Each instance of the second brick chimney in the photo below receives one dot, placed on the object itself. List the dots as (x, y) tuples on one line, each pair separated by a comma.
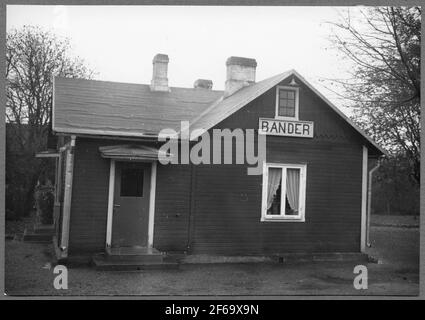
[(240, 73), (203, 83)]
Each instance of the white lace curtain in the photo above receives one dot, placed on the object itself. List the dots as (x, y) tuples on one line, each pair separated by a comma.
[(293, 188), (275, 176)]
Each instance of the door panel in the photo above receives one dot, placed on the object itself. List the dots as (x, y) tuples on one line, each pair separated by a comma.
[(131, 204)]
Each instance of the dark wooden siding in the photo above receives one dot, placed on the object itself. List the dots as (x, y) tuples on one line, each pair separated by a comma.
[(228, 201), (89, 204), (172, 208)]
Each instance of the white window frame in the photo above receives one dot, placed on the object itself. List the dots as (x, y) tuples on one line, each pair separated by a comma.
[(282, 217), (297, 91)]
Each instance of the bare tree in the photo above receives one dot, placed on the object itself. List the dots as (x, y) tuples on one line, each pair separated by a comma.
[(384, 85), (33, 57)]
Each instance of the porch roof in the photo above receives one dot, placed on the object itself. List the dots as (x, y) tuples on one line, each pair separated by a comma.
[(133, 152)]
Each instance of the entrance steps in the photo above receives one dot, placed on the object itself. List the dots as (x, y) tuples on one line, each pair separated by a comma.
[(133, 259)]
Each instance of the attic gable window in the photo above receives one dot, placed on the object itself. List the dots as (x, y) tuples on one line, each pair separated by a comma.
[(287, 102), (284, 192)]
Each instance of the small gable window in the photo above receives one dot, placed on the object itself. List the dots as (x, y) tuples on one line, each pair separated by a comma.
[(287, 102)]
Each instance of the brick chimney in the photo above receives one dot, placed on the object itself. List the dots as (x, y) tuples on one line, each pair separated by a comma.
[(203, 83), (240, 73), (159, 76)]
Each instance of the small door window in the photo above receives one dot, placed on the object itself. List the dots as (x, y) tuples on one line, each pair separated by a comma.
[(131, 182)]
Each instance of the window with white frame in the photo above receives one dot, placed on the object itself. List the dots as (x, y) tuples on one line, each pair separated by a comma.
[(283, 192), (286, 102)]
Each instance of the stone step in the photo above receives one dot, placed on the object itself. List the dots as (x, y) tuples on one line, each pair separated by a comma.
[(138, 254), (104, 263), (30, 236)]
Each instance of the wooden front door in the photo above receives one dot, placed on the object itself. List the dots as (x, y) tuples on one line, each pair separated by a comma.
[(130, 221)]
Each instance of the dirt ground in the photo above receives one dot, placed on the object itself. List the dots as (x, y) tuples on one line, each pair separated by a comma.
[(395, 221), (28, 272)]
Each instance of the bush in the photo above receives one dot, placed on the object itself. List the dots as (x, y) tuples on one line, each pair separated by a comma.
[(44, 198), (395, 191)]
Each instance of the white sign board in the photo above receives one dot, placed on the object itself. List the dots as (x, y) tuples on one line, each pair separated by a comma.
[(287, 128)]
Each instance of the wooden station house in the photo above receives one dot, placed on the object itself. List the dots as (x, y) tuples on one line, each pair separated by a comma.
[(116, 200)]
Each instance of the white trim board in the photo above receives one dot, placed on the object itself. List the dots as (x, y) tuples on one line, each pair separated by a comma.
[(152, 204), (67, 198), (61, 130)]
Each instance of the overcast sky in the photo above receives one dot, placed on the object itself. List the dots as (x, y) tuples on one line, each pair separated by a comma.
[(119, 42)]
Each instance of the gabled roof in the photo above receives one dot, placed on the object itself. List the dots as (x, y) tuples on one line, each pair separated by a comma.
[(123, 109), (223, 108), (133, 110)]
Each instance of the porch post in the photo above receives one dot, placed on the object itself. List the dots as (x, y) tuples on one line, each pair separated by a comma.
[(69, 172), (152, 204), (110, 203)]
